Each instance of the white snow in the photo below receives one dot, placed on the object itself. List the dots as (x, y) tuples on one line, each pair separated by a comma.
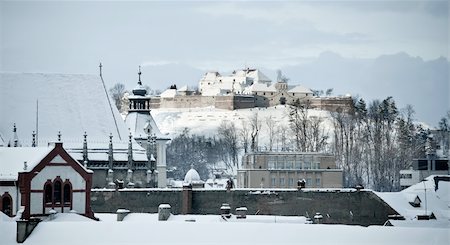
[(212, 229), (13, 158), (436, 202), (206, 120), (69, 103)]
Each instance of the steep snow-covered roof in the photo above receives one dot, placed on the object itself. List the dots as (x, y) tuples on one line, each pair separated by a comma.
[(169, 93), (138, 123), (300, 89), (259, 76), (12, 160), (437, 202), (70, 103), (185, 88), (260, 87)]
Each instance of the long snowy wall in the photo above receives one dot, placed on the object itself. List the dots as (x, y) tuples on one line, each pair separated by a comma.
[(344, 206)]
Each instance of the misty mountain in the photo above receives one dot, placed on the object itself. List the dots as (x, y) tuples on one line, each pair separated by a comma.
[(410, 80)]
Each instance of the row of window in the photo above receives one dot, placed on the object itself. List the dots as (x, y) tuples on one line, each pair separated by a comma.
[(290, 182), (293, 165), (57, 193), (405, 176)]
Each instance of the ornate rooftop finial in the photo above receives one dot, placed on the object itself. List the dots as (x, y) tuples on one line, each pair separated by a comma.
[(16, 138), (59, 136), (139, 73), (33, 143), (110, 152), (85, 149), (130, 152)]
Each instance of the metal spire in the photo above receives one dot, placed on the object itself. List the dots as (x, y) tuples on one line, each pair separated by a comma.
[(139, 73)]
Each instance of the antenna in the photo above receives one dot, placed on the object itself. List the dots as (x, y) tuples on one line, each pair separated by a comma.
[(37, 122), (100, 68)]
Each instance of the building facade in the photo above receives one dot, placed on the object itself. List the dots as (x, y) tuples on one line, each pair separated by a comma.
[(145, 132), (248, 88), (284, 169), (76, 109), (42, 180), (422, 168)]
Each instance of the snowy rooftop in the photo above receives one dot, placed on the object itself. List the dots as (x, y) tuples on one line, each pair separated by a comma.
[(300, 89), (138, 123), (212, 229), (70, 103), (169, 93), (436, 202), (12, 160)]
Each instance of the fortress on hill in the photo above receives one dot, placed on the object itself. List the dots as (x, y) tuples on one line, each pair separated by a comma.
[(247, 88)]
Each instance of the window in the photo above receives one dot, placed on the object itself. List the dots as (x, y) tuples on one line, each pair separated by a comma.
[(57, 192), (441, 164), (48, 193), (317, 182), (307, 164), (308, 182), (405, 176), (290, 162), (273, 182), (271, 162), (6, 202), (67, 193), (423, 165), (281, 182), (291, 182)]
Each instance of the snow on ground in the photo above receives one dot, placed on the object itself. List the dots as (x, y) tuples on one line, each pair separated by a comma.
[(206, 120), (437, 202), (210, 229)]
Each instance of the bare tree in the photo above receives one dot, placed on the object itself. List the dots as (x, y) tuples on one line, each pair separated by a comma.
[(255, 125), (244, 134), (299, 123), (270, 123), (117, 92), (228, 133)]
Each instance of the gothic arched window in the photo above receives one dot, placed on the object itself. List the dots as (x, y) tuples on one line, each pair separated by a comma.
[(6, 204), (67, 190), (57, 191), (48, 192)]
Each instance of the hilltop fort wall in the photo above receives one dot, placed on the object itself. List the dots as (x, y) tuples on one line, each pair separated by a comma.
[(235, 102)]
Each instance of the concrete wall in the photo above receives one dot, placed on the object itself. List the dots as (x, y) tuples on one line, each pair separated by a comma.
[(345, 206)]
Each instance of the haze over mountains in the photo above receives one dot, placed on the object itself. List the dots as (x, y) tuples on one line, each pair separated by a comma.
[(410, 80)]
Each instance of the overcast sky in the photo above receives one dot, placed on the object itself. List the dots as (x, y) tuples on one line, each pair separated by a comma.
[(73, 37)]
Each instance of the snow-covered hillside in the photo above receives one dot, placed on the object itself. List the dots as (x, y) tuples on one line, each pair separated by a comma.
[(205, 121)]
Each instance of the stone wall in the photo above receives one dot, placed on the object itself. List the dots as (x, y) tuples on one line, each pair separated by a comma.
[(249, 101), (346, 206)]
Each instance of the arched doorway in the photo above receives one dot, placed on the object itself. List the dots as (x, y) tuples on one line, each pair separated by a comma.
[(7, 204)]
